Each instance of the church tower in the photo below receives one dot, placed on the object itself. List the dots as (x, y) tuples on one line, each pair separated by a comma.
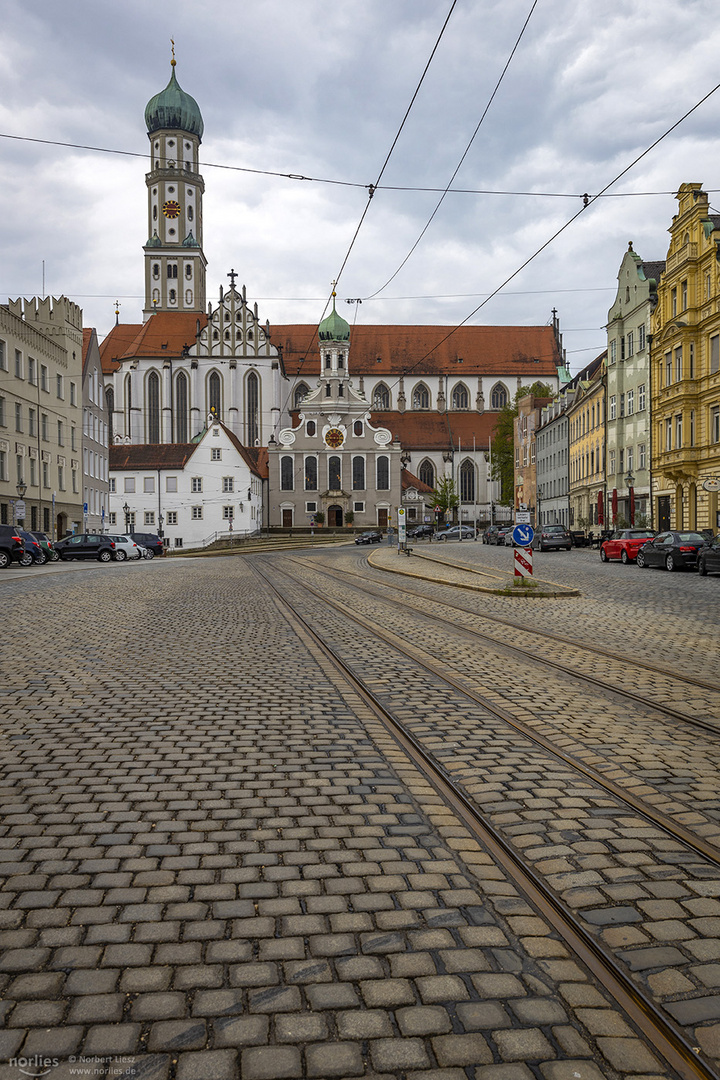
[(174, 260)]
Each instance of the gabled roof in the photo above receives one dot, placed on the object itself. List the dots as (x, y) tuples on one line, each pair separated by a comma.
[(653, 269), (89, 346), (438, 431), (164, 334), (408, 480), (250, 458), (151, 455), (528, 351)]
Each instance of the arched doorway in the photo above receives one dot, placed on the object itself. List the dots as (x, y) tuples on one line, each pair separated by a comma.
[(61, 525), (335, 517)]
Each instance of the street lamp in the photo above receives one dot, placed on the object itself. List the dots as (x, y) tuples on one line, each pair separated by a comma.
[(21, 489), (629, 484), (126, 511)]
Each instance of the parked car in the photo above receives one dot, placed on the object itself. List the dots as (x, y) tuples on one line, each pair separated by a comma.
[(369, 537), (152, 543), (12, 546), (87, 546), (673, 550), (552, 536), (625, 544), (490, 534), (46, 544), (420, 532), (709, 557), (126, 548), (500, 535), (32, 549), (453, 533)]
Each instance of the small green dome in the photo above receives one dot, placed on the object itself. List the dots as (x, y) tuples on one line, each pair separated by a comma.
[(154, 240), (190, 241), (173, 108), (334, 327)]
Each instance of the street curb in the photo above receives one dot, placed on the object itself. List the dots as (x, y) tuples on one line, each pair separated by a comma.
[(556, 591)]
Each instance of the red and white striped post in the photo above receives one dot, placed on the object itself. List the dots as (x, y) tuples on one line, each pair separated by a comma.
[(523, 562)]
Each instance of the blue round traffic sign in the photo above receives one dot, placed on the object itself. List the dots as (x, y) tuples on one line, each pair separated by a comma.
[(523, 535)]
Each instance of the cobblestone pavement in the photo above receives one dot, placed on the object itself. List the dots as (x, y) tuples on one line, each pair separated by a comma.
[(216, 864)]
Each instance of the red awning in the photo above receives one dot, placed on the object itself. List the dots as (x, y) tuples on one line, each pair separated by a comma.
[(614, 505), (601, 509)]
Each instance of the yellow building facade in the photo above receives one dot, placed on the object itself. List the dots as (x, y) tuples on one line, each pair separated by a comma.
[(685, 371)]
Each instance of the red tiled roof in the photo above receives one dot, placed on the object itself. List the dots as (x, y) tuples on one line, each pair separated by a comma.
[(248, 454), (528, 351), (151, 455), (409, 480), (164, 334), (438, 431)]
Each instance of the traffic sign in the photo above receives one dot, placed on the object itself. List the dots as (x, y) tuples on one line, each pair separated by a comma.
[(523, 535), (522, 517)]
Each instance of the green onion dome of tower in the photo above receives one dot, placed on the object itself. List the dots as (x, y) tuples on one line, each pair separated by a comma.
[(334, 327), (173, 108)]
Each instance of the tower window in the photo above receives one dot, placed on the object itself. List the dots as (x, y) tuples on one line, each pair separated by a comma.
[(173, 296), (154, 213), (172, 270), (156, 270), (188, 270), (190, 213)]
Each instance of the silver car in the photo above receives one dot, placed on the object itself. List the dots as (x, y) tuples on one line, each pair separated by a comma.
[(126, 548)]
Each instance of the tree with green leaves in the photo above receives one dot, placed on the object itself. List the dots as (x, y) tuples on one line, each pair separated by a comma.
[(503, 440), (445, 495)]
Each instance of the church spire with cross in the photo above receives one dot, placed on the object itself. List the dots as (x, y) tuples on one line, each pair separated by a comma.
[(175, 264)]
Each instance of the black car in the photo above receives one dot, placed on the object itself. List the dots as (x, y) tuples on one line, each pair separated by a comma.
[(552, 536), (709, 557), (420, 531), (369, 537), (86, 546), (673, 550), (152, 543), (12, 546), (34, 551), (498, 538), (490, 534)]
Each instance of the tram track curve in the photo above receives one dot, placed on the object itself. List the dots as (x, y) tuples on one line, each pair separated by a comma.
[(650, 1019)]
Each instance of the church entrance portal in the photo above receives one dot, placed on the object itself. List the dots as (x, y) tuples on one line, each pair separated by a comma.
[(382, 518), (335, 517), (287, 519)]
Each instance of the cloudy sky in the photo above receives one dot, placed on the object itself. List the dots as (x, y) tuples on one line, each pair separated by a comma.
[(319, 88)]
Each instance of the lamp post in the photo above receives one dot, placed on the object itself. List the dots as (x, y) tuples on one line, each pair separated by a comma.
[(629, 484), (21, 488), (126, 511)]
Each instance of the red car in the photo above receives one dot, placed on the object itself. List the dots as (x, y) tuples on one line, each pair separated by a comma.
[(624, 545)]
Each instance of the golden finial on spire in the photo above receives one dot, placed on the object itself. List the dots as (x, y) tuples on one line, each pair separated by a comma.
[(173, 61), (333, 283)]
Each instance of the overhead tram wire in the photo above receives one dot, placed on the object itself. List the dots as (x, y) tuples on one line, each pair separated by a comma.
[(465, 153), (562, 228), (372, 187)]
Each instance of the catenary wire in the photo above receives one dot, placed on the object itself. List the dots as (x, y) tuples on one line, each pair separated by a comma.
[(465, 153)]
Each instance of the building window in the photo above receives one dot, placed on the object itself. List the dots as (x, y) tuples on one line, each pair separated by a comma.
[(467, 482), (196, 483), (18, 417), (252, 409), (171, 483), (112, 518), (383, 473), (498, 397), (286, 473), (111, 485), (228, 513), (678, 364), (216, 454), (301, 392), (715, 423), (622, 404), (460, 397), (613, 406), (629, 456), (611, 462), (421, 397), (630, 402), (3, 356), (181, 407), (358, 474), (641, 337), (172, 271), (214, 395), (684, 295), (641, 397), (129, 485), (73, 394), (149, 517), (613, 351), (381, 397), (61, 477), (32, 371), (678, 431), (641, 455), (358, 427), (358, 507), (153, 405), (44, 384), (196, 513), (714, 354), (334, 473), (228, 484), (171, 517), (311, 473), (668, 369), (178, 542), (673, 303), (668, 434), (631, 344), (692, 427), (32, 423), (149, 485), (18, 364), (426, 473), (310, 507), (311, 428), (61, 433)]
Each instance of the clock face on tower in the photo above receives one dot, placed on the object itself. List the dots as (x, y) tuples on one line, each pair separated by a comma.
[(334, 438), (171, 209)]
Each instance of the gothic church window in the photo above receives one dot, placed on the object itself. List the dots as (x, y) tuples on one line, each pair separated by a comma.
[(214, 404), (467, 482), (383, 474), (334, 473), (301, 392), (381, 397), (498, 396), (421, 397), (311, 474), (426, 473), (153, 407), (358, 473), (460, 397), (286, 473), (181, 407), (252, 390), (110, 399)]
